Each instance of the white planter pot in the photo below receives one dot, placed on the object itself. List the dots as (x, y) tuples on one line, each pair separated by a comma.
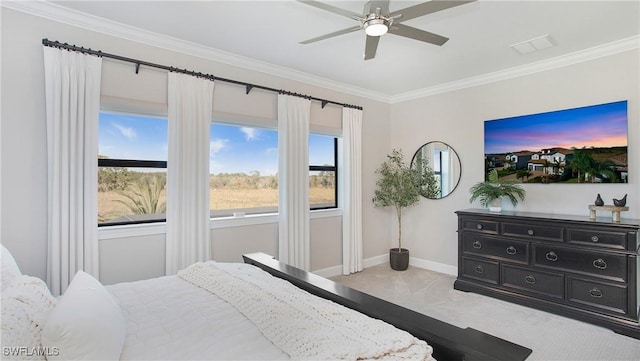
[(496, 205)]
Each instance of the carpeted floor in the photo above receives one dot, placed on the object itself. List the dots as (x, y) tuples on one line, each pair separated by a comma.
[(551, 337)]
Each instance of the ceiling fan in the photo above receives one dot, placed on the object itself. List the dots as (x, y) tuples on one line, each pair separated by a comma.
[(376, 21)]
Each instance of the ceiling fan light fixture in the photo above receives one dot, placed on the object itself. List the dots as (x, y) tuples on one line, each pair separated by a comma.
[(376, 26)]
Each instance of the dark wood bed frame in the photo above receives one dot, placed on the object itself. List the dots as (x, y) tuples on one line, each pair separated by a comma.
[(449, 342)]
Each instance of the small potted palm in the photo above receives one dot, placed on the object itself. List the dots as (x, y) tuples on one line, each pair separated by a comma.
[(491, 192), (398, 187)]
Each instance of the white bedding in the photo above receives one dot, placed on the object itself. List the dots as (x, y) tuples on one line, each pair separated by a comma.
[(304, 326), (170, 319)]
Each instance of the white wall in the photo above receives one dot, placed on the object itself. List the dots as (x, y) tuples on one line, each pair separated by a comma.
[(131, 258), (23, 154), (457, 118)]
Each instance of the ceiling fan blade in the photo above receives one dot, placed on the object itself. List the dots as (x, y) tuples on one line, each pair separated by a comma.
[(371, 47), (331, 35), (332, 9), (417, 34), (426, 8)]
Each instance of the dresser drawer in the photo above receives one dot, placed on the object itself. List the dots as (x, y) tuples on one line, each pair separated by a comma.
[(541, 283), (533, 231), (601, 296), (481, 270), (479, 225), (598, 238), (594, 263), (497, 248)]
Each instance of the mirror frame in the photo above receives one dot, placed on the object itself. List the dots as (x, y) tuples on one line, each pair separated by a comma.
[(457, 157)]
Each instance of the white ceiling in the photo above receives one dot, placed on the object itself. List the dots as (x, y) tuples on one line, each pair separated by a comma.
[(480, 34)]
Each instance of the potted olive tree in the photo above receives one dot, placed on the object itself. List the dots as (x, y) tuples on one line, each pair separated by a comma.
[(491, 192), (398, 187)]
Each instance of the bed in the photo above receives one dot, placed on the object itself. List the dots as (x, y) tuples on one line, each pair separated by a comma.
[(261, 309)]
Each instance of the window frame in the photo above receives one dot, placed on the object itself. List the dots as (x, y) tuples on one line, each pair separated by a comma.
[(333, 168), (230, 212), (132, 163)]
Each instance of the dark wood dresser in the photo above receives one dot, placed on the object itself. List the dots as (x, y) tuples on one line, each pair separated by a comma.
[(570, 265)]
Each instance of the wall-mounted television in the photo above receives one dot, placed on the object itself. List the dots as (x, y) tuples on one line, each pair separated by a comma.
[(578, 145)]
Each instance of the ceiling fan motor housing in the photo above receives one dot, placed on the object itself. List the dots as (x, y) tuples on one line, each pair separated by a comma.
[(376, 25)]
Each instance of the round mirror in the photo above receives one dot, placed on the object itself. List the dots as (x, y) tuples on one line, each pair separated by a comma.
[(439, 167)]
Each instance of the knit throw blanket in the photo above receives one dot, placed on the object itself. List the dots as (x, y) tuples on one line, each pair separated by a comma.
[(300, 324)]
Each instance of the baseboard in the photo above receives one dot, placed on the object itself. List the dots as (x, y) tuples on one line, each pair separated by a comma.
[(433, 266), (337, 270), (374, 261), (384, 258), (328, 272)]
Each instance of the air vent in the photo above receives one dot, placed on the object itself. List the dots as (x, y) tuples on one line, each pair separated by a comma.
[(531, 45)]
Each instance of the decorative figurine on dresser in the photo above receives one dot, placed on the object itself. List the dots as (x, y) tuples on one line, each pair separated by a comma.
[(574, 266), (619, 205)]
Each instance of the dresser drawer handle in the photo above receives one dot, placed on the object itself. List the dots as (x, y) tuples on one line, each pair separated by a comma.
[(551, 256), (479, 269), (511, 250), (600, 264), (477, 245), (530, 232), (594, 239), (595, 292), (479, 226), (530, 280)]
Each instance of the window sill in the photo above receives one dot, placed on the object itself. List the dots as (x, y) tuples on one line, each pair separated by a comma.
[(248, 220), (131, 230), (254, 219), (325, 213), (146, 229)]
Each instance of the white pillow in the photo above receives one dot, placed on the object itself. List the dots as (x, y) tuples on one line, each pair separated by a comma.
[(86, 323), (26, 304), (10, 270)]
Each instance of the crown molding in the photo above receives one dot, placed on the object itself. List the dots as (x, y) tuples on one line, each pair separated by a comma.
[(61, 14), (75, 18), (596, 52)]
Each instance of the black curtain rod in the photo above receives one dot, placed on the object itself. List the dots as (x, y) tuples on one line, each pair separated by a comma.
[(138, 63)]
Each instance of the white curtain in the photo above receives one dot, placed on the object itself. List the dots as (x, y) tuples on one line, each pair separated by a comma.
[(72, 90), (190, 102), (351, 191), (293, 180)]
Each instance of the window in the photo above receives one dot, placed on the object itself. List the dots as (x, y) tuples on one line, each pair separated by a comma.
[(442, 171), (244, 170), (437, 168), (243, 163), (323, 171), (132, 168)]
